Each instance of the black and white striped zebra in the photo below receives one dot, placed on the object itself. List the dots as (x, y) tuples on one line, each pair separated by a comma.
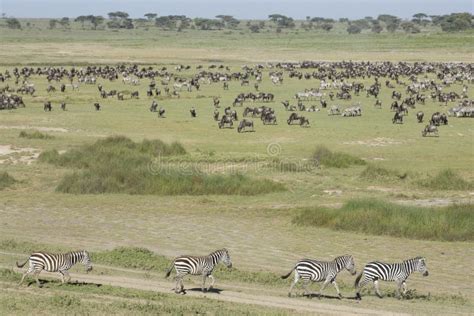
[(398, 272), (318, 271), (198, 266), (55, 263)]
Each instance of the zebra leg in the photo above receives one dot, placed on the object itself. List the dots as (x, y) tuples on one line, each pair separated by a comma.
[(337, 288), (212, 282), (204, 277), (297, 277), (305, 287), (399, 286), (377, 290), (67, 276), (37, 280), (29, 271), (62, 276), (176, 287), (323, 287), (404, 284)]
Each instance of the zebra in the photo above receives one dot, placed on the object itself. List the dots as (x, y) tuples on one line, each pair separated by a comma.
[(318, 271), (198, 266), (398, 272), (55, 263)]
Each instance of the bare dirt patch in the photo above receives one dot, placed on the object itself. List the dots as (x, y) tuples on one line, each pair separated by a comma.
[(13, 155), (38, 128), (375, 142)]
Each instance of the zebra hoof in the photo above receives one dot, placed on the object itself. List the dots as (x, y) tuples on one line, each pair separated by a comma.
[(358, 297)]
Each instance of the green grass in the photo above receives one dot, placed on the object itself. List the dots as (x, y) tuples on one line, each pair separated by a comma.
[(373, 172), (119, 165), (35, 135), (323, 156), (447, 179), (89, 298), (375, 217), (6, 180)]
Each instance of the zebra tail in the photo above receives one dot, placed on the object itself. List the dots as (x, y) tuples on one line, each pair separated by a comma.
[(21, 265), (356, 283), (287, 275), (168, 272)]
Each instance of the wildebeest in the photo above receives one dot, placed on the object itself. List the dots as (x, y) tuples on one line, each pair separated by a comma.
[(244, 124), (161, 112), (216, 115), (269, 118), (153, 106), (226, 120), (63, 106), (47, 106), (97, 106), (193, 112), (419, 116), (439, 118), (397, 118), (293, 118), (430, 129)]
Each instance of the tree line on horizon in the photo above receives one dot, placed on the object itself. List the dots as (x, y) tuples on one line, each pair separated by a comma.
[(453, 22)]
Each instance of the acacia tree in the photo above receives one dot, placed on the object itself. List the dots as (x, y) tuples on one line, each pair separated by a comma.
[(52, 23), (150, 16), (282, 21), (13, 23)]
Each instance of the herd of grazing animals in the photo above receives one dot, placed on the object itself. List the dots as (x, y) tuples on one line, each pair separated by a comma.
[(410, 85), (307, 270)]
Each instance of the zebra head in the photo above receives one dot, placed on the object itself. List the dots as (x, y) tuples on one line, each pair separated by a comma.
[(421, 266), (346, 262), (225, 258), (350, 264), (86, 260)]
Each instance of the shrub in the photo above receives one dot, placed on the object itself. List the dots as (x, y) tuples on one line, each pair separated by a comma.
[(323, 156), (447, 179), (376, 217), (119, 165), (6, 180), (35, 135)]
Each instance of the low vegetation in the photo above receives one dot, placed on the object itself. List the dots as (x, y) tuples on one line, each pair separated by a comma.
[(119, 165), (83, 298), (323, 156), (6, 180), (451, 223), (447, 179), (35, 135), (373, 172)]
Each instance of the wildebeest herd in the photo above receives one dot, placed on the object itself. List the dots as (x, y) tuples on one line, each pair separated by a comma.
[(409, 85)]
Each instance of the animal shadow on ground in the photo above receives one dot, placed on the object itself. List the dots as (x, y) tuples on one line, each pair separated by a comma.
[(75, 283), (213, 290), (331, 297)]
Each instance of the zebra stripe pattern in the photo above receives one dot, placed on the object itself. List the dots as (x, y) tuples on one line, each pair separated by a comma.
[(318, 271), (204, 266), (398, 272), (61, 263)]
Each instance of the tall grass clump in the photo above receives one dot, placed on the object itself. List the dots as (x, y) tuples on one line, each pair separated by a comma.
[(447, 179), (35, 135), (323, 156), (372, 172), (6, 180), (375, 217), (119, 165)]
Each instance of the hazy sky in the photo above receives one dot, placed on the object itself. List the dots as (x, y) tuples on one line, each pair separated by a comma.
[(239, 8)]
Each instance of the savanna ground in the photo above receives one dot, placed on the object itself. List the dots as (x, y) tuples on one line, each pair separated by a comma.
[(261, 231)]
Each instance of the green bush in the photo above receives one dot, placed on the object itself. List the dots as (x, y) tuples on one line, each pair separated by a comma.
[(451, 223), (372, 172), (447, 179), (6, 180), (323, 156), (35, 135), (119, 165)]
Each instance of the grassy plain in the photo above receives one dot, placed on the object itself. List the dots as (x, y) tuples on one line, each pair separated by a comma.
[(258, 230)]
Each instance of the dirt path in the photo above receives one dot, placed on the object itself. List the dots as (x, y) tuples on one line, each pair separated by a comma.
[(305, 306)]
